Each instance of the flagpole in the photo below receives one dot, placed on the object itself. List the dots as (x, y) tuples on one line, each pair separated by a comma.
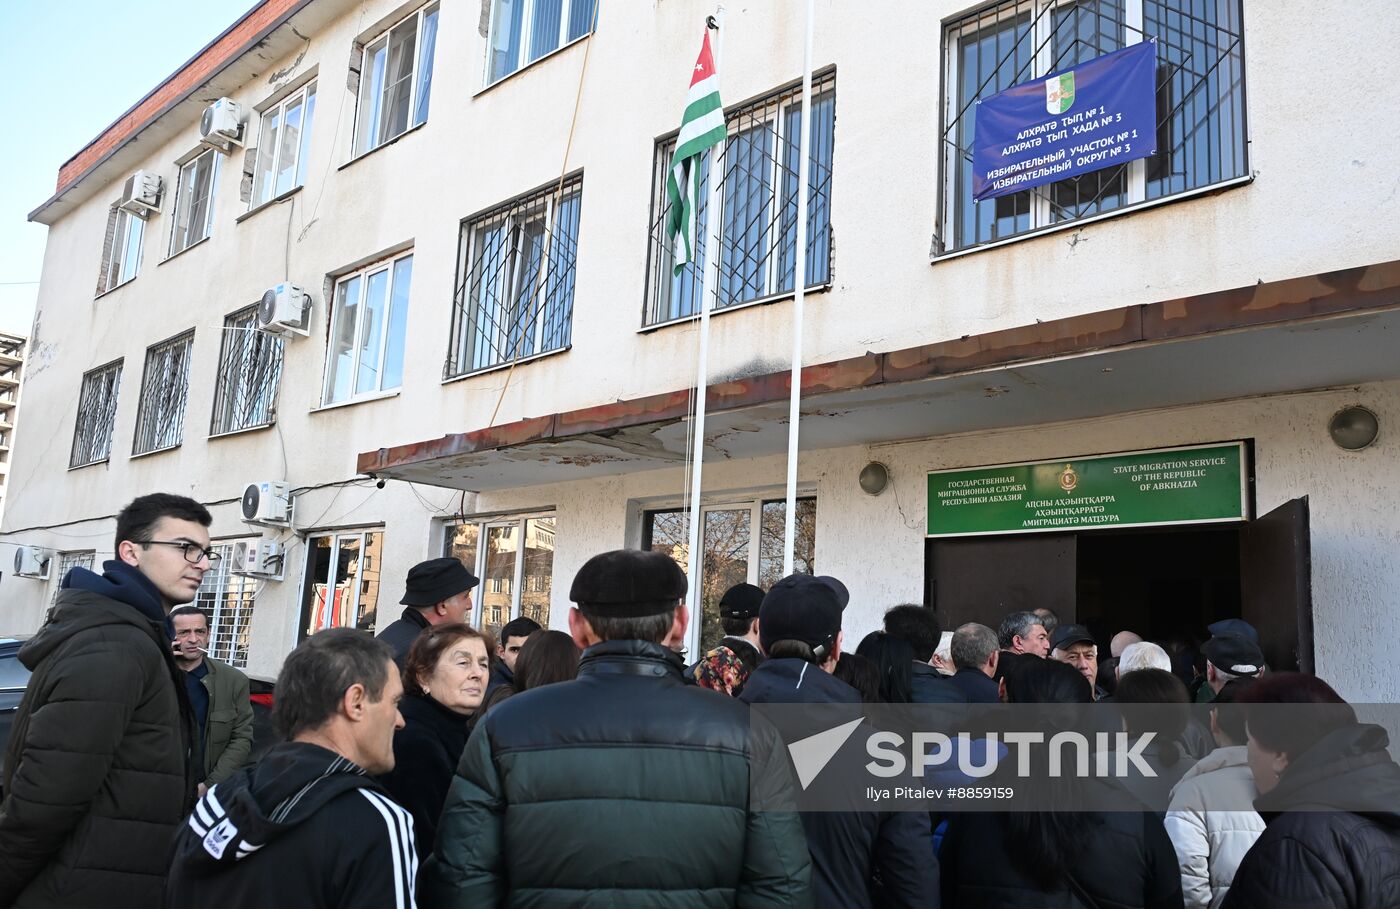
[(709, 284), (799, 287)]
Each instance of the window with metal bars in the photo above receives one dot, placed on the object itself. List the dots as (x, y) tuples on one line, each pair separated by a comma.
[(227, 600), (758, 215), (250, 370), (67, 561), (1201, 127), (97, 414), (160, 417), (515, 284)]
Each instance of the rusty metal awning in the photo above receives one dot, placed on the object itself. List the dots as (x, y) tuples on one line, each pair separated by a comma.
[(1334, 329)]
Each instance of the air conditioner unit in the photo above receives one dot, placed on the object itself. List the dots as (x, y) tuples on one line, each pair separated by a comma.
[(141, 194), (32, 562), (268, 502), (285, 310), (259, 558), (221, 125)]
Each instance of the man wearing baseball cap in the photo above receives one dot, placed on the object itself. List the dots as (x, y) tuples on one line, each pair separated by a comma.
[(1073, 644), (437, 592), (799, 625), (1230, 656), (625, 785)]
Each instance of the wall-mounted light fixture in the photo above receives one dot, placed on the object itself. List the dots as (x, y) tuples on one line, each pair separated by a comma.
[(1352, 428), (874, 477)]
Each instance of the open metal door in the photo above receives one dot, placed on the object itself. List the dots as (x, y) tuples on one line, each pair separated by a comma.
[(1276, 584), (981, 579)]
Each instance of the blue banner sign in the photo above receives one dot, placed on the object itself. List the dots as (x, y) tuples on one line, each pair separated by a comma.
[(1100, 114)]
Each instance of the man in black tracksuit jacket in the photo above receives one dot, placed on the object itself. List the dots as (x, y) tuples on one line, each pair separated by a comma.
[(307, 827)]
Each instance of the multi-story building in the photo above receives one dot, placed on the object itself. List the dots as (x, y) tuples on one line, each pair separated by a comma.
[(11, 375), (473, 198)]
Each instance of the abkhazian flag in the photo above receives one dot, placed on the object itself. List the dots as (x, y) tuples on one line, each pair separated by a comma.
[(701, 128)]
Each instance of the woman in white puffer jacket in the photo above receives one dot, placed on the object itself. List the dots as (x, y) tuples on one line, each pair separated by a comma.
[(1210, 819)]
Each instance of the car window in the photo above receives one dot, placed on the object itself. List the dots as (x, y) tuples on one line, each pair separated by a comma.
[(12, 672)]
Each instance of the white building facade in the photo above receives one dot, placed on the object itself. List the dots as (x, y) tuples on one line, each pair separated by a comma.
[(470, 193)]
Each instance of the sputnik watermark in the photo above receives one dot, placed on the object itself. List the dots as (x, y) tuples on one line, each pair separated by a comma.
[(1113, 754)]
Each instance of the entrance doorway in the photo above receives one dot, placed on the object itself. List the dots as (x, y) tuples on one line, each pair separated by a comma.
[(1161, 582)]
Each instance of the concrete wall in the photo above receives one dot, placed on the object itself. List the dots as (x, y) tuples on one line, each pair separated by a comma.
[(482, 147), (876, 544)]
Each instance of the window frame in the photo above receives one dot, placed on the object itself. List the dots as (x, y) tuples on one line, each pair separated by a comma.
[(184, 203), (227, 393), (520, 522), (773, 107), (119, 227), (108, 411), (1042, 221), (153, 393), (512, 216), (363, 534), (78, 558), (306, 94), (527, 21), (389, 264), (363, 50), (230, 593)]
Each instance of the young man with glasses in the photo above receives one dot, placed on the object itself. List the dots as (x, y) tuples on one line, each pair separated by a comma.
[(101, 768)]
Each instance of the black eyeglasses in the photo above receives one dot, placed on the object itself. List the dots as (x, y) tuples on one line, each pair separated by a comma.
[(192, 552)]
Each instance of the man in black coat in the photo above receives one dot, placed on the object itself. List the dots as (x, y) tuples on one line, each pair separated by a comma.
[(100, 768), (437, 592), (859, 858), (975, 653), (919, 626), (513, 635)]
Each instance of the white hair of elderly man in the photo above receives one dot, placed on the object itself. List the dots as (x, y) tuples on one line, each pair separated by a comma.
[(1143, 655)]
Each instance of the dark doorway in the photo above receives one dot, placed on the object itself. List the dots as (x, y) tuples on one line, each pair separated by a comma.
[(1159, 583)]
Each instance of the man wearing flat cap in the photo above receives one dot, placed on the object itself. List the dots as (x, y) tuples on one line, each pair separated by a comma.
[(624, 786), (437, 592)]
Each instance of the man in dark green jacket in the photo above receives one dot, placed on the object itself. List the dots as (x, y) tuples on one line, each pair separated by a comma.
[(219, 696), (623, 788), (100, 768)]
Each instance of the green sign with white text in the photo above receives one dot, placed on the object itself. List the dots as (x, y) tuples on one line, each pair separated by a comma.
[(1138, 489)]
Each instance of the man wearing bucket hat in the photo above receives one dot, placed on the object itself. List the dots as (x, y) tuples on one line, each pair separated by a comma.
[(437, 592), (625, 785)]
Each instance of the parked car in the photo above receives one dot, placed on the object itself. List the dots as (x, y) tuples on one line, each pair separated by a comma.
[(264, 736), (13, 680)]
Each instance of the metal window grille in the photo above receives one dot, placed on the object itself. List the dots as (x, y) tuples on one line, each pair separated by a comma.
[(515, 287), (1201, 128), (228, 599), (67, 561), (250, 371), (160, 418), (758, 227), (97, 414)]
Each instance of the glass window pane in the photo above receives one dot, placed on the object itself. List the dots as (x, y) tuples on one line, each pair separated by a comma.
[(398, 323), (748, 196), (497, 585), (342, 353), (818, 192), (317, 585), (371, 95), (485, 338), (581, 14), (367, 379), (345, 591), (288, 146), (302, 153), (426, 51), (505, 42), (669, 532), (268, 143), (398, 82), (538, 578), (201, 201), (726, 563), (770, 547), (544, 27), (462, 544), (367, 571)]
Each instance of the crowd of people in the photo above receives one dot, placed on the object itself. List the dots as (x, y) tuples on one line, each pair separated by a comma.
[(437, 766)]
